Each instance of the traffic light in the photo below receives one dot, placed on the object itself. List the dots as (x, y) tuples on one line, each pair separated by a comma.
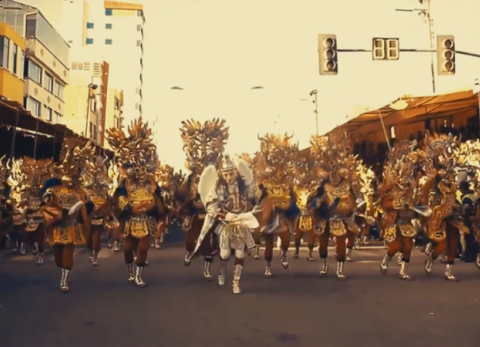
[(327, 54), (385, 48), (446, 55)]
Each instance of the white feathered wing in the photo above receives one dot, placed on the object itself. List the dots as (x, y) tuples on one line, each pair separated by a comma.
[(208, 178), (244, 170)]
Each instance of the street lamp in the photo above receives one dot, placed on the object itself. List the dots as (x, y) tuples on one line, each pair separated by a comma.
[(91, 95)]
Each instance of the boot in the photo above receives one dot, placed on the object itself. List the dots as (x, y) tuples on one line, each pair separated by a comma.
[(109, 243), (40, 259), (348, 255), (256, 255), (429, 265), (340, 274), (116, 246), (94, 258), (131, 273), (221, 272), (23, 248), (157, 244), (399, 259), (187, 261), (138, 277), (365, 240), (297, 252), (403, 271), (284, 259), (477, 262), (428, 249), (206, 270), (35, 249), (64, 285), (384, 264), (268, 269), (162, 238), (237, 274), (310, 254), (449, 273), (323, 267)]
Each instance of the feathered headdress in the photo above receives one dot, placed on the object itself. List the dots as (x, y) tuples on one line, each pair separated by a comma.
[(72, 159), (203, 144), (135, 149)]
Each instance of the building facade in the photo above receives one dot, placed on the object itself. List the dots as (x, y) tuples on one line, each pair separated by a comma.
[(114, 110), (46, 69), (12, 60), (86, 99), (111, 31)]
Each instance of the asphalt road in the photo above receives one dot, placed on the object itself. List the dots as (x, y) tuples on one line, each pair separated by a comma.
[(179, 308)]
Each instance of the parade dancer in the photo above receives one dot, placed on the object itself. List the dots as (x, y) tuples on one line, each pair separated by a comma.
[(65, 208), (94, 181), (203, 146), (444, 226), (25, 180), (137, 200), (112, 225), (399, 196), (228, 196)]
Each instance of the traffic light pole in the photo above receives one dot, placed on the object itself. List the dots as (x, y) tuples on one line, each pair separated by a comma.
[(430, 32)]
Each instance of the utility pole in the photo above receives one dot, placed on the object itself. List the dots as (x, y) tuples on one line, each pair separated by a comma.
[(425, 14)]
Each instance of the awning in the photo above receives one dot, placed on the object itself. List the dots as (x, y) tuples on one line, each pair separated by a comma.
[(418, 108)]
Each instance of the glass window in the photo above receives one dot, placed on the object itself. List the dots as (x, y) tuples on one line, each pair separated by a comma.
[(34, 106), (90, 25), (108, 12), (48, 82), (21, 69), (58, 117), (139, 27), (139, 42), (48, 113), (89, 41), (4, 51), (139, 13), (108, 41), (15, 59), (34, 72), (58, 90), (108, 26)]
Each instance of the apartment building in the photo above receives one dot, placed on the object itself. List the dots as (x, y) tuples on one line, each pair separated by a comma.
[(12, 57), (86, 99), (46, 71), (114, 110), (112, 31)]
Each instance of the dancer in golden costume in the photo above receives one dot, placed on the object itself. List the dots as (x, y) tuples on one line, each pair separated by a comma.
[(138, 199), (65, 209), (26, 178)]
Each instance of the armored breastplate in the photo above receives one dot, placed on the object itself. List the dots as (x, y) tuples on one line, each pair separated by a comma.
[(67, 197), (401, 198), (340, 191), (235, 203), (98, 198), (139, 194)]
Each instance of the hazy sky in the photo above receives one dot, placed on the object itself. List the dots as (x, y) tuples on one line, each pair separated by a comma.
[(218, 49)]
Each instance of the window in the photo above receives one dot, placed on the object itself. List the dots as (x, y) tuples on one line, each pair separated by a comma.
[(48, 113), (139, 42), (90, 25), (108, 12), (34, 72), (115, 122), (139, 27), (108, 41), (116, 103), (137, 105), (139, 13), (4, 51), (22, 64), (34, 106), (15, 59), (108, 26), (89, 41), (58, 90), (48, 82), (58, 117)]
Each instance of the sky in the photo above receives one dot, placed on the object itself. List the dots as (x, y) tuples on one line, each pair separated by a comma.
[(217, 50)]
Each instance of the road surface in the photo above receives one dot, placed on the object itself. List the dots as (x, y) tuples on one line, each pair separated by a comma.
[(179, 308)]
